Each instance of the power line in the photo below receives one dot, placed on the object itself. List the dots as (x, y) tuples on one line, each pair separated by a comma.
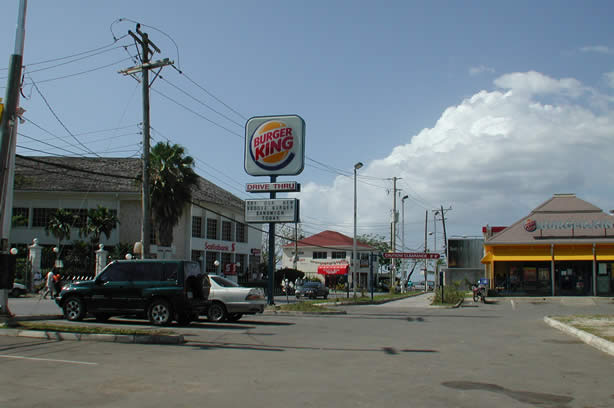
[(58, 118)]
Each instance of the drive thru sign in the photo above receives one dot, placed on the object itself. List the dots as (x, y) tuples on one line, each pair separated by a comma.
[(412, 255)]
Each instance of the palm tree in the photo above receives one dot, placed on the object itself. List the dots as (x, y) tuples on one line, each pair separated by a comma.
[(99, 221), (60, 224), (172, 178)]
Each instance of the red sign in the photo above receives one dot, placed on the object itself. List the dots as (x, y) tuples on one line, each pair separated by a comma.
[(411, 255)]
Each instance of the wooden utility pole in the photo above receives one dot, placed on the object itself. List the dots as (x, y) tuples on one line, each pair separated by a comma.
[(144, 68)]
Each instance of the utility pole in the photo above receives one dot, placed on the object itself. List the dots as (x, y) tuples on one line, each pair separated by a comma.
[(426, 271), (8, 134), (393, 234), (445, 238), (144, 68)]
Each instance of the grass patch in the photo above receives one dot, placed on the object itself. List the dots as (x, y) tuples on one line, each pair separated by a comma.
[(86, 329), (319, 305), (306, 306)]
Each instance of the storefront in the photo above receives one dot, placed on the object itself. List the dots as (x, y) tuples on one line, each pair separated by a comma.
[(565, 247), (334, 275)]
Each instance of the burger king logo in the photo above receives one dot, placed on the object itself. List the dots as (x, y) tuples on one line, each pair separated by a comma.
[(271, 145), (530, 225)]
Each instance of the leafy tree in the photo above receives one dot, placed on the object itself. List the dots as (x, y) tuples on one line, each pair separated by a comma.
[(172, 179), (378, 242), (99, 221), (60, 224)]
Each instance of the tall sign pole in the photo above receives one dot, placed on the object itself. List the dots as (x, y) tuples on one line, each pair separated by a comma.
[(8, 133), (274, 146)]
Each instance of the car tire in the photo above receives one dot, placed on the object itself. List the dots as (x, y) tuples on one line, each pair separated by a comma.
[(102, 317), (74, 309), (160, 312), (216, 312), (234, 317)]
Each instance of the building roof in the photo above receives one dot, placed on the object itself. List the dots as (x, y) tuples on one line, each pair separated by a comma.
[(101, 174), (330, 239), (564, 218)]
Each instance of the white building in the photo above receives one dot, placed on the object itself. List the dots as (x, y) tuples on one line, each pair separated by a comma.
[(211, 229), (329, 253)]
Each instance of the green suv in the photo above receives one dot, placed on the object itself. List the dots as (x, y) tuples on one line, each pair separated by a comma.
[(161, 290)]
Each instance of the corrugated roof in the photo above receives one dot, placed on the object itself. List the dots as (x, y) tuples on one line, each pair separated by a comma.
[(96, 174), (330, 239), (564, 218)]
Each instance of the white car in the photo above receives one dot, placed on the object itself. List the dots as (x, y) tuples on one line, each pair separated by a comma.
[(231, 301), (18, 290)]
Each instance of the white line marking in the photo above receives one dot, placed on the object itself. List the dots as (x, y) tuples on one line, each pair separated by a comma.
[(513, 304), (47, 359)]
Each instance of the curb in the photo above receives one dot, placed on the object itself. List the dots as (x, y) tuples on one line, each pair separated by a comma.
[(110, 338), (298, 313), (588, 338)]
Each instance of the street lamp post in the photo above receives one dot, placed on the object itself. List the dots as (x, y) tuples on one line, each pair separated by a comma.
[(356, 167), (403, 284)]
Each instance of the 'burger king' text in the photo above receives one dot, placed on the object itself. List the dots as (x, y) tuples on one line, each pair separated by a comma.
[(278, 140)]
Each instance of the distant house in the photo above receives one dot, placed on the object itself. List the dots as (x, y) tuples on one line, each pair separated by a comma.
[(211, 229), (328, 254)]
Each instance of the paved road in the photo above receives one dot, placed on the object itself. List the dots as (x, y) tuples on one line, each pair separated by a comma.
[(393, 355)]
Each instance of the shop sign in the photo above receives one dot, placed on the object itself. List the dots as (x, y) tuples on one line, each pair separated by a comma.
[(532, 225), (285, 187), (274, 145), (255, 251), (411, 255), (218, 247), (271, 210)]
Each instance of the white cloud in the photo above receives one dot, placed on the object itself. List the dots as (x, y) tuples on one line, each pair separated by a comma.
[(493, 157), (600, 49), (473, 71), (536, 83), (609, 77)]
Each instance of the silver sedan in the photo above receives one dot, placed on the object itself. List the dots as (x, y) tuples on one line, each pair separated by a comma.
[(231, 301)]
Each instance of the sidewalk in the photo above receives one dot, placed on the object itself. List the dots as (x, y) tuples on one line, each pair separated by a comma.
[(596, 331)]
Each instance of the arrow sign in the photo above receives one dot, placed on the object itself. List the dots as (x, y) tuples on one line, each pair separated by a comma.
[(411, 255)]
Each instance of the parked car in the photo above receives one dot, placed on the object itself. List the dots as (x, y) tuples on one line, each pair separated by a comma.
[(18, 290), (311, 290), (230, 301), (161, 290), (420, 285)]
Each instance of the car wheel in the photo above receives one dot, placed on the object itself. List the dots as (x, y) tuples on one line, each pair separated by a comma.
[(160, 312), (102, 317), (234, 317), (74, 309), (216, 313)]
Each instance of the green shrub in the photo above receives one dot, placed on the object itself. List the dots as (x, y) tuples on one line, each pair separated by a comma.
[(452, 294)]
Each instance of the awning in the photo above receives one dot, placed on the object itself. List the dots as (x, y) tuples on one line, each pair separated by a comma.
[(605, 253), (488, 258), (337, 269)]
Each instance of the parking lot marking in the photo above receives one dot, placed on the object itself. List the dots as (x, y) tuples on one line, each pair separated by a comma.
[(47, 359)]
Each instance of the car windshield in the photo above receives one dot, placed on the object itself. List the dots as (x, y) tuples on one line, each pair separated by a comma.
[(224, 282), (312, 284)]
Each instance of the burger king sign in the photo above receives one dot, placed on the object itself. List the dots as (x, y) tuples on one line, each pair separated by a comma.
[(275, 145)]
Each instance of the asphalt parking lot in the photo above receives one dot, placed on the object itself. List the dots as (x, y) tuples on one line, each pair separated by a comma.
[(499, 354)]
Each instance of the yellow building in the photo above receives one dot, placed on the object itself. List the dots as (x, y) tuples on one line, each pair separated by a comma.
[(565, 247)]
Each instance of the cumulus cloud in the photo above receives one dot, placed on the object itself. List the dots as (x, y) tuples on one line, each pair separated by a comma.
[(473, 71), (493, 157), (609, 77)]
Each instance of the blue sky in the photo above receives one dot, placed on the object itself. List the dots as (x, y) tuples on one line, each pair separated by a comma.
[(485, 107)]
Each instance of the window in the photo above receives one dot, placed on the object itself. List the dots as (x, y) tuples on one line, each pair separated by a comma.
[(319, 255), (337, 255), (241, 236), (119, 272), (211, 257), (80, 217), (226, 231), (197, 227), (240, 259), (41, 216), (197, 256), (211, 228), (223, 282), (21, 217), (225, 260)]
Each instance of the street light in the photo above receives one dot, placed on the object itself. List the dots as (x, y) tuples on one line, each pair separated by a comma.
[(356, 167), (405, 197)]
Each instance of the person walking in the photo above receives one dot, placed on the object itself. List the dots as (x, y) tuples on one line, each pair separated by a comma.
[(49, 285)]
